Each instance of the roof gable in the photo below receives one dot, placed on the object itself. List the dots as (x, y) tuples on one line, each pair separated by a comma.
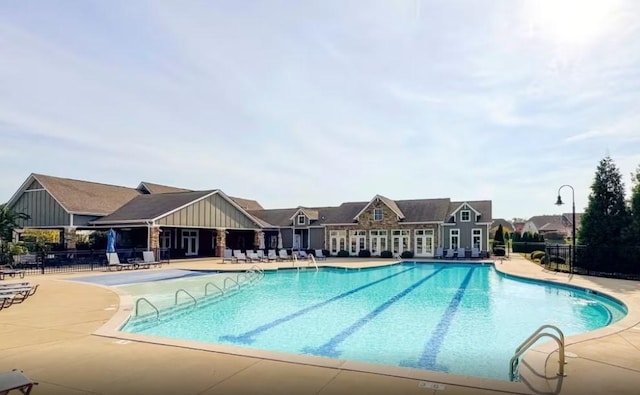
[(78, 196), (247, 204), (393, 206), (310, 213), (150, 188)]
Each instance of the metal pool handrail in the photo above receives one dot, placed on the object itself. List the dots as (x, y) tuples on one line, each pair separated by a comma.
[(535, 336), (150, 304), (195, 302), (206, 287)]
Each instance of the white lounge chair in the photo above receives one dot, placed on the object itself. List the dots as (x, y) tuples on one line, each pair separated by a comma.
[(475, 252), (149, 259), (462, 253), (320, 255), (272, 256), (239, 255), (439, 253), (284, 256), (450, 253), (11, 272), (113, 261), (302, 254), (228, 256), (262, 257), (252, 256), (16, 380)]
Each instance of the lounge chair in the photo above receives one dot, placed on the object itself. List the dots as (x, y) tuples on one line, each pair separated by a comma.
[(261, 256), (114, 262), (439, 253), (22, 290), (272, 256), (228, 256), (240, 256), (149, 259), (462, 253), (7, 299), (450, 253), (320, 255), (284, 256), (303, 254), (16, 380), (252, 256), (11, 272), (475, 252)]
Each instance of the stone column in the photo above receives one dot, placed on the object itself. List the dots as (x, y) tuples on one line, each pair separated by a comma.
[(70, 238), (221, 242), (154, 238)]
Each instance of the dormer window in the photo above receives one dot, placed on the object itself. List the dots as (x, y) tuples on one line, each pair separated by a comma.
[(465, 215), (377, 214), (301, 219)]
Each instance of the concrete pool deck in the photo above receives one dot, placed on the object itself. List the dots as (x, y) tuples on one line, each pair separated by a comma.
[(51, 337)]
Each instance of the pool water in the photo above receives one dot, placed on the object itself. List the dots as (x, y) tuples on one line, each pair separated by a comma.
[(464, 319)]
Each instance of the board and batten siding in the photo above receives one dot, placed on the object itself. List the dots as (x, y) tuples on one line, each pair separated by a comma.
[(316, 238), (43, 209), (211, 212)]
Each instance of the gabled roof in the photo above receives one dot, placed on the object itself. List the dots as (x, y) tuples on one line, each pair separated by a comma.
[(310, 213), (388, 202), (276, 217), (148, 187), (505, 224), (247, 204), (151, 206), (480, 207), (424, 210), (81, 197), (548, 223)]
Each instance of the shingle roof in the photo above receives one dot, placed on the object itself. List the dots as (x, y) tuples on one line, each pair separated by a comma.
[(481, 206), (549, 223), (86, 197), (247, 204), (505, 224), (159, 188), (275, 217), (424, 210), (148, 207)]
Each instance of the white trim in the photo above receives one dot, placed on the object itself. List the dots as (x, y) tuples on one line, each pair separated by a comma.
[(23, 188), (465, 211), (304, 212), (451, 236), (472, 235), (304, 219), (400, 216), (349, 224), (196, 237), (484, 223), (462, 205), (71, 220), (423, 223), (34, 190), (378, 210)]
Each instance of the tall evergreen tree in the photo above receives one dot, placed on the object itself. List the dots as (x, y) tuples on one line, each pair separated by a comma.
[(633, 232), (498, 239), (606, 217)]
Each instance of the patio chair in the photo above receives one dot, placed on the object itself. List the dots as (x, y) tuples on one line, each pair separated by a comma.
[(16, 380), (320, 255), (6, 299), (228, 256), (439, 253), (462, 253), (252, 256), (261, 256), (284, 256), (303, 254), (11, 272), (239, 256), (149, 259), (114, 262), (21, 292), (450, 253), (475, 252), (272, 256)]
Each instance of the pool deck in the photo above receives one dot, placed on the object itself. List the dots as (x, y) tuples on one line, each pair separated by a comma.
[(61, 337)]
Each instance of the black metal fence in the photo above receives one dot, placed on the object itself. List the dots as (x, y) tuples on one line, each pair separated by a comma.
[(605, 261), (79, 260)]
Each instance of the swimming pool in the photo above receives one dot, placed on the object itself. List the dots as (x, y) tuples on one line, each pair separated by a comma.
[(464, 319)]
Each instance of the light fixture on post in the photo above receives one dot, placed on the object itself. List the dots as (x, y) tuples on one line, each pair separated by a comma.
[(573, 222)]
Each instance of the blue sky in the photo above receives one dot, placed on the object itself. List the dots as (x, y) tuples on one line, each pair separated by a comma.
[(317, 103)]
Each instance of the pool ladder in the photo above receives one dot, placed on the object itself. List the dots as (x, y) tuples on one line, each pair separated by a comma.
[(312, 259), (535, 336)]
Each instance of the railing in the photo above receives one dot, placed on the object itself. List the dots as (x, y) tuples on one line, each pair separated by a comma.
[(150, 304), (206, 287), (313, 260), (224, 284), (535, 336), (195, 302)]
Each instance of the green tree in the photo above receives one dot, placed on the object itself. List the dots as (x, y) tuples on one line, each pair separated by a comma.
[(9, 221), (633, 231), (606, 217), (498, 239)]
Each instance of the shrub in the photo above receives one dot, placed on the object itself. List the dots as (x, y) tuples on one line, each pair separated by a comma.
[(406, 254), (343, 253), (326, 252), (364, 254), (536, 255), (386, 254), (556, 259)]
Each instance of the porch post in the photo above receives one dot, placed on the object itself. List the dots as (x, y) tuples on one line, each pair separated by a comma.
[(153, 242), (256, 239), (70, 237), (221, 241)]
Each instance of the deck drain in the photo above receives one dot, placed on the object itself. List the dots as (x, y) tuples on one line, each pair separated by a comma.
[(122, 342), (570, 355), (430, 385)]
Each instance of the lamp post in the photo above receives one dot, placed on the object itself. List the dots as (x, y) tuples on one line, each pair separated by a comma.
[(573, 222)]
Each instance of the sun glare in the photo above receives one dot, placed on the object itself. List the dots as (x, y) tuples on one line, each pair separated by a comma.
[(570, 21)]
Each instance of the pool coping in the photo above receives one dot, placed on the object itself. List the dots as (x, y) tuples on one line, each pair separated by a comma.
[(534, 362)]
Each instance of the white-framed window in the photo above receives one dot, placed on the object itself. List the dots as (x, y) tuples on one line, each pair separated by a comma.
[(377, 214), (476, 238), (165, 238), (465, 215), (301, 219), (454, 238)]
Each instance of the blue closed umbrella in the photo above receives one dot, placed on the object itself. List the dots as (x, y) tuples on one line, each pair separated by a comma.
[(111, 240)]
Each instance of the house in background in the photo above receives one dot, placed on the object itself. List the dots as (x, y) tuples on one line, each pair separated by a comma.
[(204, 223), (552, 225), (507, 226)]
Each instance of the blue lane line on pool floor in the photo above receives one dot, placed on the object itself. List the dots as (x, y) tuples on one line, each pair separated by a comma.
[(329, 348), (247, 337), (428, 358)]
